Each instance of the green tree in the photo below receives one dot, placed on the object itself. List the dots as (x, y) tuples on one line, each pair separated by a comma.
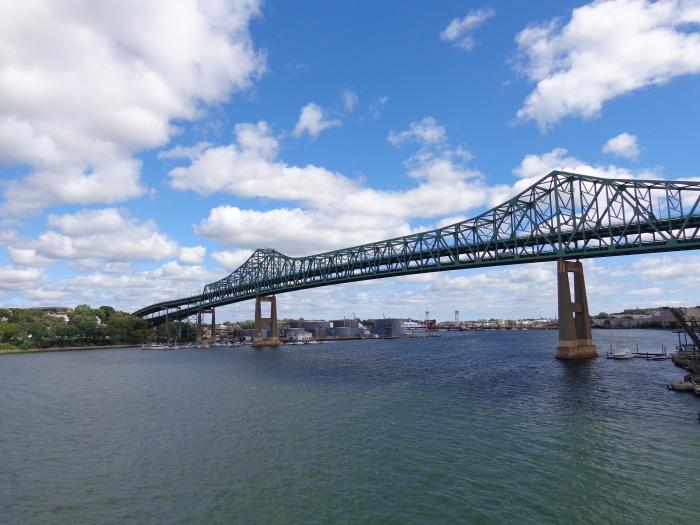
[(9, 331), (105, 312), (84, 319)]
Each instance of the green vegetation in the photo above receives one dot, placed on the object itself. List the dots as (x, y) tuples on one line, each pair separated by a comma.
[(85, 326)]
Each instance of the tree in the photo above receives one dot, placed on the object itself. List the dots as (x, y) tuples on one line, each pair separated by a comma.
[(9, 331), (84, 319), (105, 312), (124, 328)]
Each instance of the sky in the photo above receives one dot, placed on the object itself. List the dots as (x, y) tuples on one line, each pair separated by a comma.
[(148, 147)]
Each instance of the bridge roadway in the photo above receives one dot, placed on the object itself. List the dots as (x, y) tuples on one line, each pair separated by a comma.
[(562, 216)]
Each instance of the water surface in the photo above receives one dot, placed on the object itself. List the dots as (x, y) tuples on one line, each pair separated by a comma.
[(467, 428)]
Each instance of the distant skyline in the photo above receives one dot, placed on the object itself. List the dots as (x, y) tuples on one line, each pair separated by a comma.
[(147, 148)]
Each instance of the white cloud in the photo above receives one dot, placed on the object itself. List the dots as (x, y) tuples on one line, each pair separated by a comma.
[(7, 235), (192, 255), (28, 257), (312, 121), (534, 167), (230, 260), (184, 152), (87, 222), (425, 131), (607, 48), (325, 202), (459, 30), (13, 278), (95, 235), (293, 231), (645, 292), (350, 99), (86, 85), (668, 270), (127, 291), (623, 145)]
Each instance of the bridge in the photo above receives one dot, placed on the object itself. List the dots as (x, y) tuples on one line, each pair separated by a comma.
[(563, 217)]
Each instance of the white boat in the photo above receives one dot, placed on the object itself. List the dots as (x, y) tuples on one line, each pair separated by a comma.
[(413, 326), (623, 353)]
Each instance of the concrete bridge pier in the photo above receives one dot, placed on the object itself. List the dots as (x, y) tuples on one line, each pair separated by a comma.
[(200, 325), (575, 336), (265, 322)]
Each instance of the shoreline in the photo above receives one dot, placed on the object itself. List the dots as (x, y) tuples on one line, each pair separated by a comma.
[(10, 351)]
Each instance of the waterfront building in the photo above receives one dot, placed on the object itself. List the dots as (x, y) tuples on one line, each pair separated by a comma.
[(297, 335)]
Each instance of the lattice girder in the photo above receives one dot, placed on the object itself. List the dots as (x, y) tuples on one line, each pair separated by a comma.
[(563, 215)]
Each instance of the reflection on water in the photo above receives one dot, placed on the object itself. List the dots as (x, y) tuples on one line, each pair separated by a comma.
[(472, 427)]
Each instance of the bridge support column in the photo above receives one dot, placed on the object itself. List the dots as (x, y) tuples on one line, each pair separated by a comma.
[(265, 322), (575, 336), (200, 326)]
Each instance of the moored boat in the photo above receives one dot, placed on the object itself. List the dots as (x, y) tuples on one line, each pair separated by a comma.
[(622, 353)]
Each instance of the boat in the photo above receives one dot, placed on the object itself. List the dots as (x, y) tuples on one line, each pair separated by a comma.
[(623, 353), (413, 326)]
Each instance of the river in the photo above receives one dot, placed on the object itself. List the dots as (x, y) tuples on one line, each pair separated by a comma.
[(474, 427)]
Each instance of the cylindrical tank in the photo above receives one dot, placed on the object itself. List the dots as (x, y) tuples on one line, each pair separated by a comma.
[(342, 331)]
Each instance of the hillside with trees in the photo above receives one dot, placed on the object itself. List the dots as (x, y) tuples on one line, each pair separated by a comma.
[(84, 326)]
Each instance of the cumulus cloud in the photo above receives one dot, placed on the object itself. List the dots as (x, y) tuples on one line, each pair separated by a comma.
[(192, 255), (230, 260), (293, 231), (107, 235), (460, 30), (607, 48), (28, 257), (425, 131), (128, 291), (184, 152), (623, 145), (533, 167), (14, 278), (312, 121), (330, 210), (86, 85)]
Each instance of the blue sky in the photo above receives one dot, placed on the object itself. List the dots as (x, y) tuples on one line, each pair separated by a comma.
[(147, 148)]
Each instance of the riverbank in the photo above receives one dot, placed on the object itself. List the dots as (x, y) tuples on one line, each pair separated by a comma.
[(60, 349)]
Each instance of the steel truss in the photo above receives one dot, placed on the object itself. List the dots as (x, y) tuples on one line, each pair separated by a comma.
[(563, 215)]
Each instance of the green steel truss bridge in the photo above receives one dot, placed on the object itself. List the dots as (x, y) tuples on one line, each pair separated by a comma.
[(562, 216)]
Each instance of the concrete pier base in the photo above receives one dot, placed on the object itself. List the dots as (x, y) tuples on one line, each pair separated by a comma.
[(576, 352), (200, 326), (575, 335), (262, 323)]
